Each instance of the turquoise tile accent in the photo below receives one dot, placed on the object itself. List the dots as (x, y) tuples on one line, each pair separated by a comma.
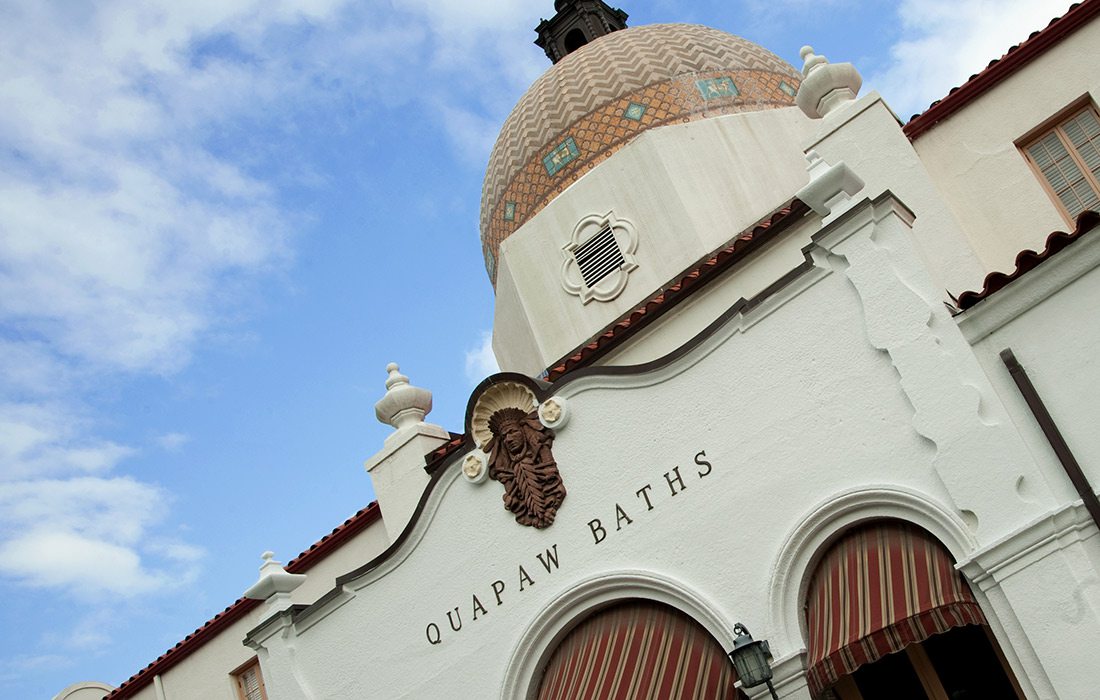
[(634, 111), (563, 155), (509, 211), (785, 87), (717, 87), (490, 262)]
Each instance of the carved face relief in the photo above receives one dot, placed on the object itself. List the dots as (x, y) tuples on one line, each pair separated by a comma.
[(520, 458)]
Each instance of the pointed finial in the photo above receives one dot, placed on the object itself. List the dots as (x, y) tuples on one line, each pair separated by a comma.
[(810, 59), (825, 86), (403, 405), (275, 584), (269, 565), (395, 377)]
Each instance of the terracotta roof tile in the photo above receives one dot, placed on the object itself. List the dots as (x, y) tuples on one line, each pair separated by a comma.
[(998, 69), (242, 606), (696, 277), (1028, 260), (436, 457)]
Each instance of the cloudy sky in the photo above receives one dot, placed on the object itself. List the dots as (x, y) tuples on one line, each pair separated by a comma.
[(220, 219)]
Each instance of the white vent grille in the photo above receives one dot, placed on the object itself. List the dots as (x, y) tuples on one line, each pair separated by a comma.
[(598, 257)]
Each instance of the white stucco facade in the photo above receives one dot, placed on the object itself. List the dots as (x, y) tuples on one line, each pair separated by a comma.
[(849, 394), (712, 452)]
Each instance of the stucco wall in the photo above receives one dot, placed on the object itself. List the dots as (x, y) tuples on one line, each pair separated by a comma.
[(849, 394), (752, 276), (979, 170), (205, 674), (1048, 319), (686, 188), (866, 136)]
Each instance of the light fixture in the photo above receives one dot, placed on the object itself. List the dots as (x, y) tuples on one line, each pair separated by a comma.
[(750, 658)]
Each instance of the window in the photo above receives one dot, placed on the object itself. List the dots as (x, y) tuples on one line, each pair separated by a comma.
[(1067, 157), (249, 681)]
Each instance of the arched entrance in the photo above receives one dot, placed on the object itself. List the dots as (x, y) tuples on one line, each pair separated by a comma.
[(889, 618), (638, 650)]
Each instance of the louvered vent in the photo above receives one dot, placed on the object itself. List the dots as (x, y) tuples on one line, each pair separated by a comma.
[(598, 257)]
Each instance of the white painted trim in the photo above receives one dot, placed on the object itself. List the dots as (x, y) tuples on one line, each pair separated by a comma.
[(556, 619), (788, 678), (850, 112), (350, 588), (807, 541), (1027, 292), (1025, 546), (731, 327), (83, 685)]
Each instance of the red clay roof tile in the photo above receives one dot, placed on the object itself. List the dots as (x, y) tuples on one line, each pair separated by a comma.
[(1028, 260), (242, 606), (696, 277), (998, 69)]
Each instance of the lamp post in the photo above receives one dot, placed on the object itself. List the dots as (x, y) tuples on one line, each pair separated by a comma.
[(750, 658)]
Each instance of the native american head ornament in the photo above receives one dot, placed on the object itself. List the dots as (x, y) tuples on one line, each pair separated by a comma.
[(520, 458)]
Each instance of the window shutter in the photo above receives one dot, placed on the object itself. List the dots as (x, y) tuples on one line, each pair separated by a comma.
[(250, 683), (1068, 156)]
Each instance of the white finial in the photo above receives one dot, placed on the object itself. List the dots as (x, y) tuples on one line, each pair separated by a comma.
[(831, 187), (270, 565), (395, 377), (403, 405), (825, 86), (810, 59), (275, 584)]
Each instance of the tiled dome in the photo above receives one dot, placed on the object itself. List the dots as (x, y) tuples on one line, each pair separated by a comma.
[(598, 98)]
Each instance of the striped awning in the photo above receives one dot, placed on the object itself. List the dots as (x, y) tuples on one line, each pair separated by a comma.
[(636, 651), (879, 589)]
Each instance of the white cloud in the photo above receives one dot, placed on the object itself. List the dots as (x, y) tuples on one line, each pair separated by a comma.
[(87, 537), (126, 214), (17, 668), (171, 442), (944, 42), (121, 227), (480, 360), (91, 632), (117, 224), (44, 440)]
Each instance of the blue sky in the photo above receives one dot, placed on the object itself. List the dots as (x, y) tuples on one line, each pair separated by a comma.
[(219, 220)]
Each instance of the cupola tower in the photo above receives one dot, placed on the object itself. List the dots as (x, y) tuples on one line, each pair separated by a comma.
[(576, 23)]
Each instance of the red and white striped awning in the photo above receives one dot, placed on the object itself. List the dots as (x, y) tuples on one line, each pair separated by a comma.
[(879, 589), (639, 651)]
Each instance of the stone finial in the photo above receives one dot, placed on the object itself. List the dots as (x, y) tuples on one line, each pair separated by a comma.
[(825, 86), (404, 405), (831, 187), (810, 60), (275, 584)]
